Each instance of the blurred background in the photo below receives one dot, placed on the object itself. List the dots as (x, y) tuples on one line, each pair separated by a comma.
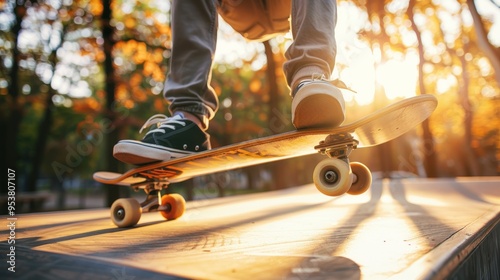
[(78, 75)]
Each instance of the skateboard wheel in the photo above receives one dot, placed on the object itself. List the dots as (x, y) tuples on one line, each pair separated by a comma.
[(362, 178), (175, 205), (332, 177), (125, 212)]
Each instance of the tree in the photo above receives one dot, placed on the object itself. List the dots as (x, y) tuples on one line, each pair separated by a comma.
[(430, 156), (12, 110), (113, 193), (488, 49)]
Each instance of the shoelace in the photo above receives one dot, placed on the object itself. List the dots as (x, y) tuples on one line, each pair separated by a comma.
[(164, 121), (317, 77)]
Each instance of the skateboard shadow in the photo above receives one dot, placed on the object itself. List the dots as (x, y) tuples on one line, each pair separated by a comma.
[(36, 241), (472, 193), (53, 225), (421, 218), (342, 268), (47, 265)]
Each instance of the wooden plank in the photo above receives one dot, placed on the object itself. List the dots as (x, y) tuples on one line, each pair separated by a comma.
[(295, 233)]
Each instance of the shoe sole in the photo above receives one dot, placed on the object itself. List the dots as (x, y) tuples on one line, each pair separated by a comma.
[(137, 152), (318, 105)]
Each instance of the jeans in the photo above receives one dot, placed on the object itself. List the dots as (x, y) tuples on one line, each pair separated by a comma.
[(194, 36)]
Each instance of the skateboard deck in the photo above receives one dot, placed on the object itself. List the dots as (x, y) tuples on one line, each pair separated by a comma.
[(333, 177)]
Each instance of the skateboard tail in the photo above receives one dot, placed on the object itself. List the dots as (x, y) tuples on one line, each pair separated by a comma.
[(394, 121), (106, 177)]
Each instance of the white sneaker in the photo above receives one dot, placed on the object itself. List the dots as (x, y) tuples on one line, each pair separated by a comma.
[(317, 104)]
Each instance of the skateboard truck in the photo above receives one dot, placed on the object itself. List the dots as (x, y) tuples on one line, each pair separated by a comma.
[(152, 188), (337, 146), (153, 203), (126, 212), (336, 175)]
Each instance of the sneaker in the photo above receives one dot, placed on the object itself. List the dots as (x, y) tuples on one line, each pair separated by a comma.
[(166, 139), (317, 103)]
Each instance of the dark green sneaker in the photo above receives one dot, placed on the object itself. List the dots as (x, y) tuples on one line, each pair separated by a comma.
[(166, 139)]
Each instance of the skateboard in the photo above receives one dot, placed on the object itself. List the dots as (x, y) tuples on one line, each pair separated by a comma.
[(333, 176)]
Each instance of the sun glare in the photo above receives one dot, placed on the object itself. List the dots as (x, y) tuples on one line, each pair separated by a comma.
[(359, 75), (398, 78)]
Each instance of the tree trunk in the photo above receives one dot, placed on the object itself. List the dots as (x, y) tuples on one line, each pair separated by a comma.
[(430, 156), (471, 162), (10, 124), (280, 169), (41, 141), (274, 94), (113, 192), (489, 50)]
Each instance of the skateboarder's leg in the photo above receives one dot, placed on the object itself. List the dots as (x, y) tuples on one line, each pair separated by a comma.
[(194, 36), (311, 59), (192, 101)]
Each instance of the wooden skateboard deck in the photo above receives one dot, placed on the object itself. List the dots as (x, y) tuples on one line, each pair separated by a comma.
[(333, 176), (376, 128)]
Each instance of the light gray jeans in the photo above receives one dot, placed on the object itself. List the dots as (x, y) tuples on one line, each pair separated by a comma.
[(194, 36)]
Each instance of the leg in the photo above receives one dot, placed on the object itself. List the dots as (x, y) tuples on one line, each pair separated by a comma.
[(314, 48), (192, 101), (311, 58), (194, 35)]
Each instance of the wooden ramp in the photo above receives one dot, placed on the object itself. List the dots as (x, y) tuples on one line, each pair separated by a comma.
[(401, 229)]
